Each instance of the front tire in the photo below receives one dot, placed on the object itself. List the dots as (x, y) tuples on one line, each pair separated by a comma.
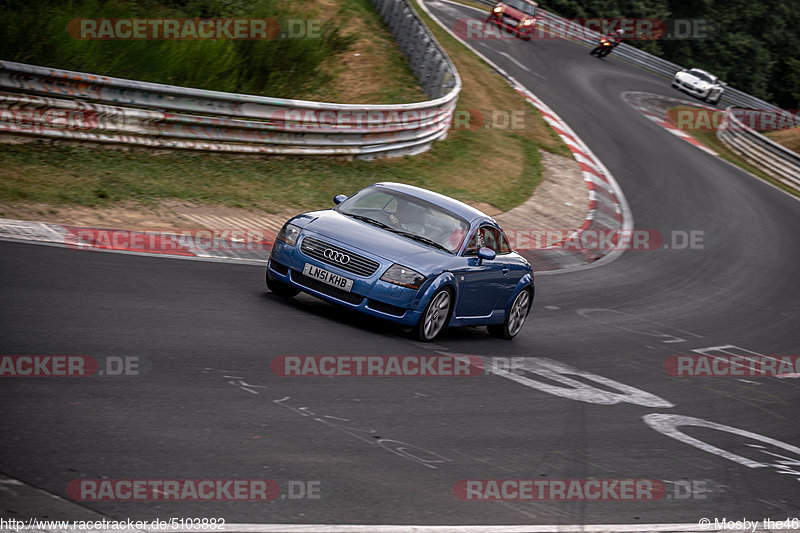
[(435, 317), (515, 318), (281, 289)]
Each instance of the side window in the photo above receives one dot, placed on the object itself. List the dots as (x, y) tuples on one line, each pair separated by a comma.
[(475, 242), (489, 237), (505, 247)]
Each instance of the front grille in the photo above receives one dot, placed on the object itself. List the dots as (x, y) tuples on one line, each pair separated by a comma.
[(358, 264), (324, 288), (386, 308)]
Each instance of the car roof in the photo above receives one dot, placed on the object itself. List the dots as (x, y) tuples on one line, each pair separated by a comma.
[(459, 208), (531, 2), (703, 71)]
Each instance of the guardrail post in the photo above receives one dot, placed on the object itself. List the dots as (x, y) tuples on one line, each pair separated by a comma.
[(394, 16)]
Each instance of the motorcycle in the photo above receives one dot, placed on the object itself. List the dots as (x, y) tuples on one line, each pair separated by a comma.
[(604, 48)]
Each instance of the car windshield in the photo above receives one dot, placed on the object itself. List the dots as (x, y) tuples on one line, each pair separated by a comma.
[(408, 216), (702, 75), (521, 5)]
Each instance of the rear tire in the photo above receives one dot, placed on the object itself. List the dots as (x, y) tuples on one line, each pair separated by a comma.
[(436, 316), (281, 289), (515, 318)]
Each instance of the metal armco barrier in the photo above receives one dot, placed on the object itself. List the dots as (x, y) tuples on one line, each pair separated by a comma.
[(777, 161), (570, 30), (55, 103)]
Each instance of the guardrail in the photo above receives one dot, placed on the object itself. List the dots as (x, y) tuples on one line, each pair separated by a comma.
[(63, 104), (562, 28), (774, 159)]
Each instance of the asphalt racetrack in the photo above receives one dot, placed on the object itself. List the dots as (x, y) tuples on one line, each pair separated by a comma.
[(390, 451)]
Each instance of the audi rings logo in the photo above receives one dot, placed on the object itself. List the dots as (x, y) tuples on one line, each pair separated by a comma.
[(336, 256)]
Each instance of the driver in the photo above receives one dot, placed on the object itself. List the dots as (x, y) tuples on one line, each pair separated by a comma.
[(408, 216)]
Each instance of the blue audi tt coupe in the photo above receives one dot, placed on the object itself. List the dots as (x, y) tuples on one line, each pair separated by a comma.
[(408, 255)]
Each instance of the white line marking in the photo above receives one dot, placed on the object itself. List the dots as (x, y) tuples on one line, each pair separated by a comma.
[(730, 349), (568, 387), (520, 65)]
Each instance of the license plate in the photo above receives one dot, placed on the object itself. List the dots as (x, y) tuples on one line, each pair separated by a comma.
[(330, 278)]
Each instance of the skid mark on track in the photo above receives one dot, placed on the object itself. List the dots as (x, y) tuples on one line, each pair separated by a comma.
[(637, 325), (366, 435), (370, 436)]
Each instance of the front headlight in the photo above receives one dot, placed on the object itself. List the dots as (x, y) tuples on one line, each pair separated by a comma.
[(403, 276), (498, 9), (289, 233), (679, 74), (528, 22)]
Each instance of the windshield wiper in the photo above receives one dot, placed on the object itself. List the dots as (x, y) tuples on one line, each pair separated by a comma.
[(368, 220), (419, 238), (408, 234)]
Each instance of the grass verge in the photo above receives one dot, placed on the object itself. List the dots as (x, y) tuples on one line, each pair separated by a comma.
[(494, 159), (789, 138)]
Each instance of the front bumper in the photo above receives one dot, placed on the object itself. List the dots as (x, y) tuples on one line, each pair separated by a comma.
[(690, 89), (512, 25), (369, 294)]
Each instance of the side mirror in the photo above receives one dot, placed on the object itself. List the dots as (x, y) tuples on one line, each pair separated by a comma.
[(339, 198), (486, 254)]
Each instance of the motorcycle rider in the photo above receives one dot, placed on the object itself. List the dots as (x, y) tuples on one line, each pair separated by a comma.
[(616, 36), (613, 39)]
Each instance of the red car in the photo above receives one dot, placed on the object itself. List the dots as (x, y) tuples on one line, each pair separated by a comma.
[(518, 16)]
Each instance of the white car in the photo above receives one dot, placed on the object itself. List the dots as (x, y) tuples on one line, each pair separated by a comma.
[(700, 84)]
